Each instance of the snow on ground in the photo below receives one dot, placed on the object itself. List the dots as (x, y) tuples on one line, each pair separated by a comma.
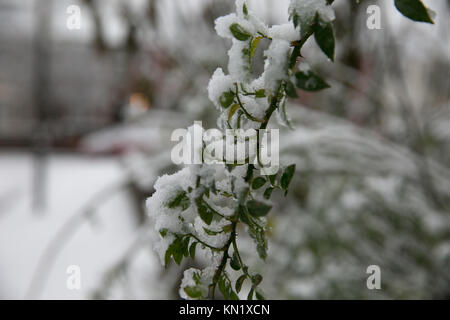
[(25, 233)]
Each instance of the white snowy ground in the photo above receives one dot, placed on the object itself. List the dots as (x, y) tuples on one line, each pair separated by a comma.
[(71, 181)]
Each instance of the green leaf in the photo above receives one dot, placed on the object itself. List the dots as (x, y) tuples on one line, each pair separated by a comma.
[(177, 255), (169, 252), (283, 115), (180, 200), (196, 277), (211, 232), (286, 178), (262, 250), (254, 46), (272, 179), (239, 283), (309, 81), (232, 111), (163, 232), (185, 246), (257, 208), (296, 19), (258, 182), (290, 90), (323, 33), (268, 193), (250, 294), (414, 10), (167, 256), (257, 279), (233, 295), (239, 32), (243, 215), (261, 93), (226, 99), (234, 262), (226, 289), (192, 250), (242, 195), (174, 250), (245, 9), (223, 288), (203, 210), (227, 228), (259, 236), (306, 22), (193, 292), (259, 296)]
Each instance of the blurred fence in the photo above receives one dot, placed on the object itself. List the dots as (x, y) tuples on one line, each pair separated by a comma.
[(52, 87)]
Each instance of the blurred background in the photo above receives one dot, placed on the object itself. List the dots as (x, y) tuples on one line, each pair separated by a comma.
[(85, 122)]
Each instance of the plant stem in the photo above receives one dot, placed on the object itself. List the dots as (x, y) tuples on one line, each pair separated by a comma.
[(249, 176), (205, 244), (243, 109), (223, 263)]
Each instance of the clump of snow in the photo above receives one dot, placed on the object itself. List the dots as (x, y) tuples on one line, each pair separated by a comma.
[(186, 221), (167, 188), (304, 67), (276, 64), (237, 176), (261, 27), (285, 31), (223, 24), (217, 240), (307, 9), (253, 106), (219, 84), (239, 64), (200, 279)]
